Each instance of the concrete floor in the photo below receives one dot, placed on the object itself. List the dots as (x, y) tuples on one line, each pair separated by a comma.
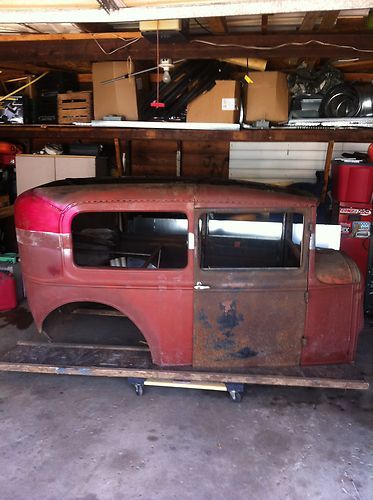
[(80, 438)]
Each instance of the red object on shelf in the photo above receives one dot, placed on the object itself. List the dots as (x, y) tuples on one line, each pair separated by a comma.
[(8, 293), (370, 152), (353, 182), (157, 104)]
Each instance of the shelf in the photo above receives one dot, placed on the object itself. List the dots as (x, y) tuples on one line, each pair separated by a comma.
[(71, 133)]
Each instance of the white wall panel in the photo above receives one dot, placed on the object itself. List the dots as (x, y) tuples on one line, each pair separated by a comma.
[(282, 162)]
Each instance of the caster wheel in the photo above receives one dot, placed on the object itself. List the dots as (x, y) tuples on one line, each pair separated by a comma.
[(139, 389), (235, 396)]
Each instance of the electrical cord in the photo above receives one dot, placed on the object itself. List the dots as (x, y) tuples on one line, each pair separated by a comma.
[(203, 27), (282, 45), (118, 48)]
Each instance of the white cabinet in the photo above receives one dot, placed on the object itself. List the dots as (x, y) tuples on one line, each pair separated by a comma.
[(75, 166), (34, 170)]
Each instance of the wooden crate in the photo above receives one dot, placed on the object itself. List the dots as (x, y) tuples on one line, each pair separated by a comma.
[(74, 107)]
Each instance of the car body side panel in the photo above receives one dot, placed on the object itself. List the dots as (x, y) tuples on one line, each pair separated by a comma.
[(334, 310), (167, 330)]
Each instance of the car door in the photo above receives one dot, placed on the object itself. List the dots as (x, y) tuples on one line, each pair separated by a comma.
[(250, 288)]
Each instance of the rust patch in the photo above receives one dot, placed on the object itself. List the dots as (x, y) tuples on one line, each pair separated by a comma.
[(202, 316), (248, 328), (244, 353), (229, 317)]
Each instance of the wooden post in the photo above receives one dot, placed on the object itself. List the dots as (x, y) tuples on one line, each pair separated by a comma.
[(328, 163), (118, 157)]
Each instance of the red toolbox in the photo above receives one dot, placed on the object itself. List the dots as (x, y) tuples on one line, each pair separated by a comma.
[(8, 294)]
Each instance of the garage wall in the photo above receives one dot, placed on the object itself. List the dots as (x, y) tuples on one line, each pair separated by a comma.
[(283, 162)]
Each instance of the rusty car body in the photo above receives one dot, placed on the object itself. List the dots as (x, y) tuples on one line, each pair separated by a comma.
[(213, 275)]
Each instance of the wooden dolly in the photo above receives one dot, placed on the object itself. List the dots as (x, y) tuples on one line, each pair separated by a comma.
[(134, 363)]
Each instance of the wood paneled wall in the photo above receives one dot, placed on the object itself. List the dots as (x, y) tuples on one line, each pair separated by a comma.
[(184, 158)]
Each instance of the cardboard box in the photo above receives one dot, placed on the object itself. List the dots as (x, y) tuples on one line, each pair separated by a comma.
[(120, 98), (221, 104), (267, 98)]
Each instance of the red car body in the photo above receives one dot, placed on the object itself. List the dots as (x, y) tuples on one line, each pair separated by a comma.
[(306, 309)]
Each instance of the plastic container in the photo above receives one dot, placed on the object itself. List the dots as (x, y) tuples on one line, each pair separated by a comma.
[(352, 182), (8, 293)]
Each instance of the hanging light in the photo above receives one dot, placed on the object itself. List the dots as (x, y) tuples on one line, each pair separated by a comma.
[(166, 65)]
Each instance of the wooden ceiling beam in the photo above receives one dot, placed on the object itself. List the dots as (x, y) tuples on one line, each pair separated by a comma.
[(69, 37), (264, 24), (309, 21), (351, 24), (203, 47), (107, 134), (217, 25), (329, 20)]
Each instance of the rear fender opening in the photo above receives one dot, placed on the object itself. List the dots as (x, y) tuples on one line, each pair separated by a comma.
[(92, 323)]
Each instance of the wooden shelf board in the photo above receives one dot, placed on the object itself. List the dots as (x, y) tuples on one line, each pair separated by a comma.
[(60, 133)]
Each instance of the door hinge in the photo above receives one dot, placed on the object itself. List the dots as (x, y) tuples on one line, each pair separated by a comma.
[(306, 297)]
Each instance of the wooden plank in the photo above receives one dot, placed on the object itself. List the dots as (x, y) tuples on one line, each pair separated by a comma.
[(284, 45), (327, 167), (207, 386), (354, 65), (309, 21), (119, 362), (328, 20), (69, 133), (49, 37), (85, 77), (326, 383), (104, 347), (358, 77), (352, 24), (217, 25), (264, 24), (205, 159), (154, 157), (118, 157)]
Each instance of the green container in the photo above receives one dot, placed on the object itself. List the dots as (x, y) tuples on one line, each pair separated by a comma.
[(8, 258)]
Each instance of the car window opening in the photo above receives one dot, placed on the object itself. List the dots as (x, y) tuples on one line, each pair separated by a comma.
[(251, 240), (142, 240)]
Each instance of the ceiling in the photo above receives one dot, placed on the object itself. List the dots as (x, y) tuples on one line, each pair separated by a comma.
[(31, 44), (336, 20)]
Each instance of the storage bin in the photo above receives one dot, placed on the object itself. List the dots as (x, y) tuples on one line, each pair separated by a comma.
[(8, 294)]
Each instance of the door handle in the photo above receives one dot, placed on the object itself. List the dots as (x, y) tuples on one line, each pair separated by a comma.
[(201, 286)]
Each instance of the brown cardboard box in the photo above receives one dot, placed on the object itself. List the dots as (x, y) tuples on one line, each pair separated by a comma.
[(221, 104), (267, 98), (120, 98)]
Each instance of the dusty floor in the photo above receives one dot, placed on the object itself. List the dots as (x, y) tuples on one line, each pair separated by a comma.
[(80, 438)]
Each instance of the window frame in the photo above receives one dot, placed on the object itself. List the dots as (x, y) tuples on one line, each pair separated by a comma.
[(116, 269), (201, 224)]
